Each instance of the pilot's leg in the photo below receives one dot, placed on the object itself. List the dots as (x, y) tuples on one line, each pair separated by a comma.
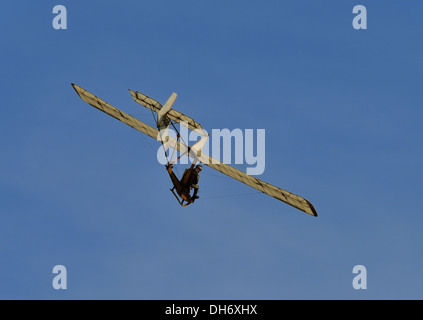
[(194, 195), (176, 183)]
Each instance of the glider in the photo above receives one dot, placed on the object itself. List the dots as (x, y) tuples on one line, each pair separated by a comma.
[(167, 116)]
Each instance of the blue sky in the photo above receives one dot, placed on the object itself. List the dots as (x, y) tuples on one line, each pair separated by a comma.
[(342, 113)]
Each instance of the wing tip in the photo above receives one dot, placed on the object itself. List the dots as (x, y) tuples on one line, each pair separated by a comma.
[(75, 87), (313, 210), (133, 94)]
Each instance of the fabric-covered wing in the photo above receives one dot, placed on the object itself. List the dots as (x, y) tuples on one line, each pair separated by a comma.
[(114, 112), (174, 115), (280, 194)]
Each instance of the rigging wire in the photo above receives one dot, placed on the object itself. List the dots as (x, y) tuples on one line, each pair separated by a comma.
[(154, 117), (232, 195), (143, 139), (222, 176)]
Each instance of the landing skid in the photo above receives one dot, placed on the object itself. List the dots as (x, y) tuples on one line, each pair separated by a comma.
[(180, 202)]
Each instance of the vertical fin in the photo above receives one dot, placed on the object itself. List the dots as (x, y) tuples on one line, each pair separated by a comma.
[(163, 121), (167, 106)]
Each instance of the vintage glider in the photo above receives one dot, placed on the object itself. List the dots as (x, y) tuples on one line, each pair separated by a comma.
[(167, 116)]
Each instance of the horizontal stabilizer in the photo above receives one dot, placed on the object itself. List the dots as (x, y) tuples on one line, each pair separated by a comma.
[(146, 101), (173, 115)]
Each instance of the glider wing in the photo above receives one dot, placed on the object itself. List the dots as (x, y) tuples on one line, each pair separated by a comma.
[(102, 105), (280, 194)]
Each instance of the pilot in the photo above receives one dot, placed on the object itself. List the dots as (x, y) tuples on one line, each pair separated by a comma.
[(188, 182)]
